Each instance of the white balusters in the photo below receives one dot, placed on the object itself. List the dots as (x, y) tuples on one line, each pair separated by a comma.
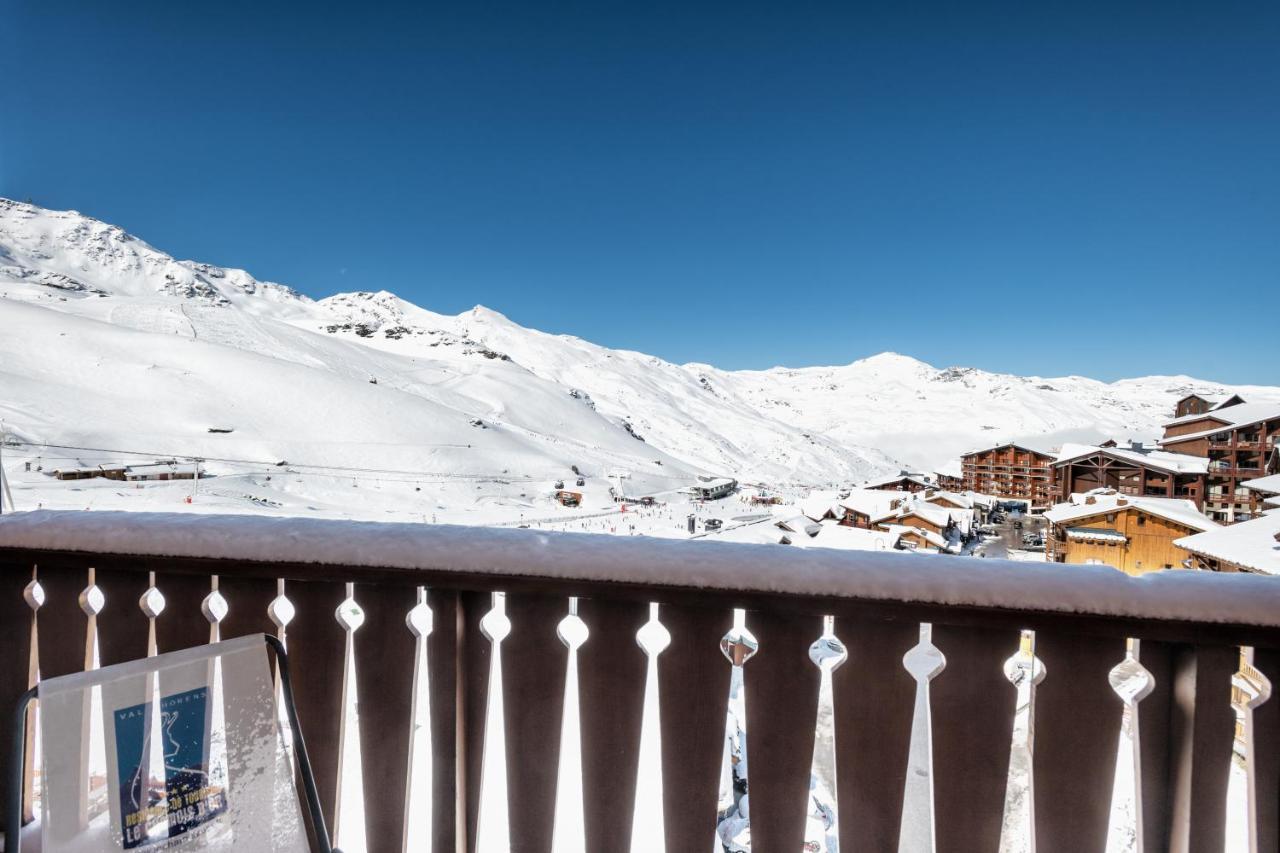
[(151, 603), (733, 816), (493, 832), (93, 758), (418, 801), (1132, 682), (648, 826), (917, 834), (215, 608), (1024, 671), (1251, 688), (823, 826), (281, 612), (348, 813), (569, 832), (33, 594)]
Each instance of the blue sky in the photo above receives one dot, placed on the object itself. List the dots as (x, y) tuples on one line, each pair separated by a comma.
[(1040, 188)]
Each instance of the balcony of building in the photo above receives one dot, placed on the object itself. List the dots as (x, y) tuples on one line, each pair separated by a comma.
[(465, 689)]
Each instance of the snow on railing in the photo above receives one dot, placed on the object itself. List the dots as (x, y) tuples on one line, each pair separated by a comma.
[(490, 690)]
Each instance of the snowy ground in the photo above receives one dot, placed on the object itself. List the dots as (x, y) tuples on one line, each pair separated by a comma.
[(480, 501)]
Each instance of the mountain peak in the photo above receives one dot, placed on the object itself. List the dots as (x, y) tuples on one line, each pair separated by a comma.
[(892, 361), (488, 315)]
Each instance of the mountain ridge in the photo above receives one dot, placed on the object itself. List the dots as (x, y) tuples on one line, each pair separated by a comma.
[(814, 424)]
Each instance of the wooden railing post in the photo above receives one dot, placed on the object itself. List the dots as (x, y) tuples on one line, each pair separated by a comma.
[(1201, 728)]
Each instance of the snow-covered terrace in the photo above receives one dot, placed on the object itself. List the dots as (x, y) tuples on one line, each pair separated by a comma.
[(574, 683)]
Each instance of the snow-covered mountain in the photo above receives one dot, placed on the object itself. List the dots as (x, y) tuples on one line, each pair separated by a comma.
[(109, 342)]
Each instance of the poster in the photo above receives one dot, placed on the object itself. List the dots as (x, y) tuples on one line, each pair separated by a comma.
[(159, 807)]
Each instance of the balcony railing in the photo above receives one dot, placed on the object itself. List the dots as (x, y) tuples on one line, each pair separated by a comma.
[(506, 688)]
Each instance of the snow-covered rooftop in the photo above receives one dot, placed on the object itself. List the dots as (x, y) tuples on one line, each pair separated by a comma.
[(1018, 445), (1264, 485), (927, 535), (939, 515), (1177, 463), (1251, 544), (919, 479), (1049, 587), (1179, 511), (871, 502), (953, 468)]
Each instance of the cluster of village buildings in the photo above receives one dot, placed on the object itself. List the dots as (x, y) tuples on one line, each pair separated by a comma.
[(1206, 495)]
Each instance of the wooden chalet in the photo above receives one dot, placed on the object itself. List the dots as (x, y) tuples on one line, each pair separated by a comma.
[(1133, 534), (1240, 442), (1011, 471), (934, 519), (88, 472), (1192, 404), (1139, 473), (570, 499), (904, 481)]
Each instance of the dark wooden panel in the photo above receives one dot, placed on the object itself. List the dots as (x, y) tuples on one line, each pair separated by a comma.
[(611, 677), (247, 601), (122, 626), (384, 654), (317, 644), (475, 657), (15, 641), (1077, 727), (874, 701), (182, 624), (782, 706), (973, 706), (1201, 732), (448, 809), (1266, 726), (62, 622), (533, 675), (694, 690), (1154, 720)]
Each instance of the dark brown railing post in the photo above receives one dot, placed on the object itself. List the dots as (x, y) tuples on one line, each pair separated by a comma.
[(1201, 729), (15, 626)]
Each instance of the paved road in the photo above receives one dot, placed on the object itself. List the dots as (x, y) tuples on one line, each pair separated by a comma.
[(1010, 537)]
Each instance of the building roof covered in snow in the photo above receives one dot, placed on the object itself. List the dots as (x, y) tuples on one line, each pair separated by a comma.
[(908, 476), (1175, 463), (930, 538), (1252, 545), (932, 513), (1264, 485), (1092, 504), (953, 468)]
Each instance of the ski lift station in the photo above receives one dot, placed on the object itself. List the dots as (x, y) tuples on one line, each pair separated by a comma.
[(713, 488)]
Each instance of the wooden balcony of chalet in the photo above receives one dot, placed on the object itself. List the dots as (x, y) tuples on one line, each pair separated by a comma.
[(516, 690)]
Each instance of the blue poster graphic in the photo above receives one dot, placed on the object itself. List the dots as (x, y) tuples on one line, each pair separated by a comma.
[(184, 799)]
